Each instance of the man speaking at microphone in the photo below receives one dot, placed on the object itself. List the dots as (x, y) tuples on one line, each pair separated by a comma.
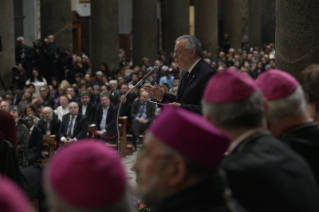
[(196, 72)]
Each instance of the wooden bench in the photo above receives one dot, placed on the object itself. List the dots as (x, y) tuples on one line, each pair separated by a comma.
[(48, 144)]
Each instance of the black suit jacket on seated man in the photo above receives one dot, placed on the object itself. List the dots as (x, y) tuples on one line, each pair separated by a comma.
[(80, 126), (89, 113), (54, 126), (22, 136), (190, 89), (110, 126), (35, 145)]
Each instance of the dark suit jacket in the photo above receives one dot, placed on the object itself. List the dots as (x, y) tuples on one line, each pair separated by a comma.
[(80, 126), (89, 113), (150, 110), (35, 143), (54, 126), (22, 136), (304, 139), (265, 175), (17, 99), (110, 120), (190, 91), (48, 101)]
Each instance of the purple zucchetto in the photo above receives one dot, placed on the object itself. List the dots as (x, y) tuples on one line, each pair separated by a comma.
[(276, 84), (229, 86), (87, 174), (190, 135)]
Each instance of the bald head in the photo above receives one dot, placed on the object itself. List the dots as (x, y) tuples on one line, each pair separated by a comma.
[(4, 106), (144, 96)]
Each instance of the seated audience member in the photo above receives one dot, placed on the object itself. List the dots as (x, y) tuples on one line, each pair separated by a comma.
[(86, 107), (106, 190), (178, 171), (96, 91), (63, 108), (49, 124), (37, 80), (88, 79), (16, 96), (311, 88), (74, 125), (39, 108), (35, 140), (5, 106), (142, 114), (30, 110), (175, 84), (12, 198), (168, 78), (26, 99), (22, 131), (98, 78), (114, 92), (260, 169), (287, 115), (105, 117), (9, 99), (105, 89), (47, 100), (72, 95), (125, 108)]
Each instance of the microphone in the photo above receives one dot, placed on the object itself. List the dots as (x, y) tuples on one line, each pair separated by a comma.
[(153, 70)]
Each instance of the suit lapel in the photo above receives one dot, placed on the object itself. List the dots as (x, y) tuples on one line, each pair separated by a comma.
[(77, 120), (187, 82)]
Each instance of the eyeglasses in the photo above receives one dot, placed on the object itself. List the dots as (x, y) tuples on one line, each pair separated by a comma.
[(177, 52), (143, 153)]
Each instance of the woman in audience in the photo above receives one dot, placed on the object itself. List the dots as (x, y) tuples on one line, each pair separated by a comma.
[(106, 70), (26, 99), (9, 98), (30, 110), (61, 91), (37, 80), (125, 108)]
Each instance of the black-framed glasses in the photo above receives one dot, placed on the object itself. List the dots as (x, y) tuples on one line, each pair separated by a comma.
[(177, 52)]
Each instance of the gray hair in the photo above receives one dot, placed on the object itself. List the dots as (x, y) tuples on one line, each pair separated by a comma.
[(232, 116), (75, 103), (293, 104), (96, 87), (192, 43), (47, 107), (104, 94)]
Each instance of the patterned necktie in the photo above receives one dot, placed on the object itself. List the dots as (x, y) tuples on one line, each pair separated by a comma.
[(70, 128), (104, 119)]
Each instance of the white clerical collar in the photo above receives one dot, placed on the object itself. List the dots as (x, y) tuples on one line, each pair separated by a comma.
[(194, 64), (241, 138)]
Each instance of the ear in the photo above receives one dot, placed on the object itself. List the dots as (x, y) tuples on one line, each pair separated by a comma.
[(178, 172), (210, 119)]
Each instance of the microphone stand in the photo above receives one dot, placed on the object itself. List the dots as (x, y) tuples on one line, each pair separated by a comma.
[(155, 69), (118, 114)]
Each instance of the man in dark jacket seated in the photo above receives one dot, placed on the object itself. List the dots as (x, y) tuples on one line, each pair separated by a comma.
[(49, 125), (74, 125), (35, 140), (105, 117)]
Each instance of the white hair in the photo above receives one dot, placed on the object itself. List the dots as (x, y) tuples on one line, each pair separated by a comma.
[(293, 104), (113, 81), (235, 115)]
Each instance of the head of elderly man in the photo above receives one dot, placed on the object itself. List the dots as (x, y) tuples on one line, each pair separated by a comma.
[(167, 166), (47, 113)]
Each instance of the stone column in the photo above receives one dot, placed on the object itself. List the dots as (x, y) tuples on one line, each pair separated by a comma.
[(56, 19), (7, 55), (254, 25), (31, 22), (104, 33), (177, 21), (206, 24), (145, 31), (296, 35), (232, 16), (268, 21)]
